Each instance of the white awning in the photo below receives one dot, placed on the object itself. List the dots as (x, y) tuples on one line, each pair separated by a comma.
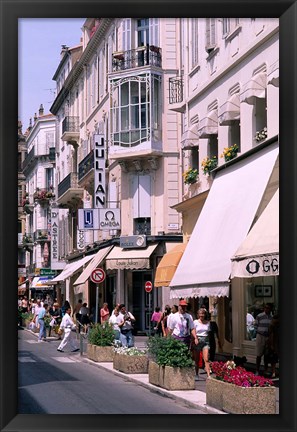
[(190, 138), (256, 87), (209, 125), (273, 74), (230, 110), (258, 255), (72, 268), (130, 259), (96, 261), (223, 224)]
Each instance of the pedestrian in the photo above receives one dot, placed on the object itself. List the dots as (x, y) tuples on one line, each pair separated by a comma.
[(213, 336), (76, 313), (55, 314), (65, 306), (67, 325), (202, 329), (174, 309), (261, 324), (181, 326), (164, 320), (126, 326), (115, 319), (104, 313), (156, 320), (37, 307), (84, 317), (42, 313)]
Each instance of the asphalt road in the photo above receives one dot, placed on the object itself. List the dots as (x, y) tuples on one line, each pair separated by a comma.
[(60, 383)]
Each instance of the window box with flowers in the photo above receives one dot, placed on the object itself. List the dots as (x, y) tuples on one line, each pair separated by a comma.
[(190, 176), (209, 164), (236, 391), (230, 153), (261, 135)]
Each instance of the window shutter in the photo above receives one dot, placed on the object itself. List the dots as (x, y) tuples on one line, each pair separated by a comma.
[(144, 196), (210, 33), (154, 31), (126, 42)]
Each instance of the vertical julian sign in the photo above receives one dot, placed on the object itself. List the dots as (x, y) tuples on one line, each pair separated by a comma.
[(99, 172)]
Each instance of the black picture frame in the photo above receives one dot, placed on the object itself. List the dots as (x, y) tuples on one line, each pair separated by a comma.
[(10, 12), (263, 290)]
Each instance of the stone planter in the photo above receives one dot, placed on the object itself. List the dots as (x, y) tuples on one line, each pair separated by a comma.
[(171, 378), (100, 353), (240, 400), (131, 364)]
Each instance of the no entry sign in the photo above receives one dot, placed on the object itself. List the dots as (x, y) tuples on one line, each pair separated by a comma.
[(148, 286), (98, 275)]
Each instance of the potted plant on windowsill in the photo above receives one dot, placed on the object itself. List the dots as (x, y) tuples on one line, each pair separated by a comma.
[(170, 364), (261, 135), (100, 343), (235, 390), (208, 164), (130, 360), (230, 153), (190, 176)]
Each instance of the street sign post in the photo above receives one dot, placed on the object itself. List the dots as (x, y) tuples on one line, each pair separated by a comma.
[(148, 286), (97, 276)]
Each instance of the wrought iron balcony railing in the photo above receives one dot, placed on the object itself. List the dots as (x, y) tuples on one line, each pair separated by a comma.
[(86, 165), (70, 124), (41, 235), (175, 90), (149, 55), (69, 182)]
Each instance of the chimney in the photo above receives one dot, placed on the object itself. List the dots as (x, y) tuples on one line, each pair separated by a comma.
[(64, 50), (35, 117), (41, 110)]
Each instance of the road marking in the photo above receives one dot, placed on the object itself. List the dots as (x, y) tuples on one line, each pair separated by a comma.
[(64, 360), (26, 360), (31, 341)]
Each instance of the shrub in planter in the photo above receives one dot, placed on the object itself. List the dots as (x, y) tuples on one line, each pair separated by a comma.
[(235, 390), (171, 365), (100, 343), (130, 360)]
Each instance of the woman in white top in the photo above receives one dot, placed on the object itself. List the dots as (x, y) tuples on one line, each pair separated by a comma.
[(202, 327)]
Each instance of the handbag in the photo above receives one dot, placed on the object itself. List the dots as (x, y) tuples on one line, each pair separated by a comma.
[(60, 331)]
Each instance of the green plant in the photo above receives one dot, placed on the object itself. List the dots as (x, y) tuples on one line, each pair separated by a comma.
[(208, 164), (167, 351), (101, 334), (230, 152), (27, 316), (190, 176)]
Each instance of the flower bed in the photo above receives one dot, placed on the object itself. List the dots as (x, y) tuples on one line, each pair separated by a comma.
[(130, 360), (235, 390)]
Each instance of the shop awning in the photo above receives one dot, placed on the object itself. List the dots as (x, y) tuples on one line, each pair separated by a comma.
[(258, 254), (273, 74), (230, 110), (190, 138), (208, 125), (224, 221), (72, 268), (168, 265), (96, 261), (40, 282), (130, 259), (256, 87)]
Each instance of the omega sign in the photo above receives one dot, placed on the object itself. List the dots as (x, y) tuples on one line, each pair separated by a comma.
[(99, 171), (109, 219)]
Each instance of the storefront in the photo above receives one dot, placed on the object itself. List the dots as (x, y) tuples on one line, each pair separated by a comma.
[(230, 209)]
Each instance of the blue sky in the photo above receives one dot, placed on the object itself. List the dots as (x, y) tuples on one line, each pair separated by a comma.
[(39, 43)]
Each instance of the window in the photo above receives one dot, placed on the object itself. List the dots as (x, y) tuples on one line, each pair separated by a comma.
[(49, 177), (213, 146), (143, 32), (229, 24), (194, 157), (142, 226), (260, 115), (234, 133), (133, 115), (195, 33), (211, 35), (141, 193), (126, 34)]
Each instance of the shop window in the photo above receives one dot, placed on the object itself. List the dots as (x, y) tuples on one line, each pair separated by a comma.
[(259, 291)]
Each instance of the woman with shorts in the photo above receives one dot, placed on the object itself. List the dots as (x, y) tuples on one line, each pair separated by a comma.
[(202, 327)]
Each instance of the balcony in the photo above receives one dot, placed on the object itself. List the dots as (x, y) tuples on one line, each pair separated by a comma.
[(41, 235), (69, 191), (27, 240), (27, 204), (29, 159), (70, 129), (176, 94), (149, 55), (85, 169), (43, 196)]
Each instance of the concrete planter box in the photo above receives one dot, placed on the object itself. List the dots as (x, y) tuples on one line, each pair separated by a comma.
[(171, 378), (131, 364), (100, 353), (240, 400)]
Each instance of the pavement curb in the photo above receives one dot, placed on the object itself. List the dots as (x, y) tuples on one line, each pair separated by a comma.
[(155, 389)]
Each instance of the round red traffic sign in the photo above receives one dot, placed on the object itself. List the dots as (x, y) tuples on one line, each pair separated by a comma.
[(98, 275), (148, 286)]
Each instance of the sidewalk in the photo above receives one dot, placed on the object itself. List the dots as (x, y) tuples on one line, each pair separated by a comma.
[(193, 398)]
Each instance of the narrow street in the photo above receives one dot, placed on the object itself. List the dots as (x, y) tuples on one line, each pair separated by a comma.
[(60, 383)]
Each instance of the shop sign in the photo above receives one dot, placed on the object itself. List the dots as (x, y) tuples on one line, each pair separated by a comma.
[(54, 236), (80, 239), (99, 171), (110, 219), (129, 263), (266, 265), (47, 272)]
